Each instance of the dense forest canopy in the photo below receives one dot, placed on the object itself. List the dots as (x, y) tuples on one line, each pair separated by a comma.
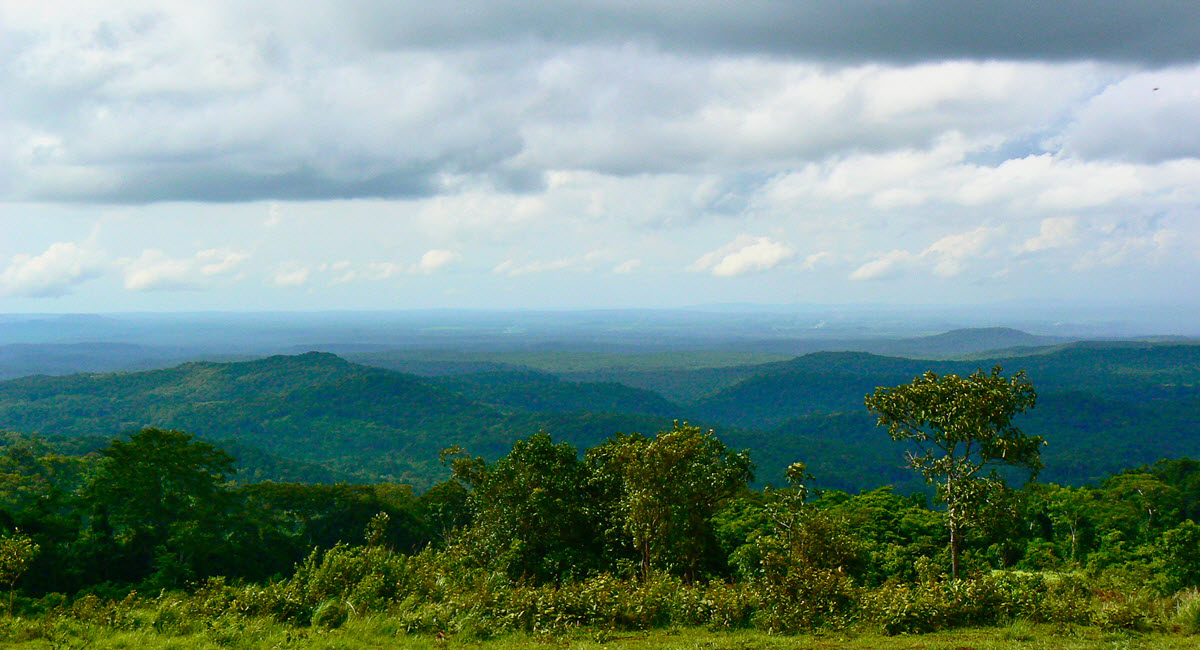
[(152, 512)]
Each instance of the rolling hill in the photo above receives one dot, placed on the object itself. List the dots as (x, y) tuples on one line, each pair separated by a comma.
[(1102, 407), (318, 409)]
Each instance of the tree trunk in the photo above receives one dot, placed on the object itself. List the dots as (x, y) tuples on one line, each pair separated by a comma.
[(953, 542), (1074, 543)]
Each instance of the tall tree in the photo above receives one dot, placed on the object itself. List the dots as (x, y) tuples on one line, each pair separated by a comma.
[(158, 495), (963, 431), (667, 490)]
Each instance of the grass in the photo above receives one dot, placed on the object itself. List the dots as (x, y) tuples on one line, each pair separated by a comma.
[(382, 632)]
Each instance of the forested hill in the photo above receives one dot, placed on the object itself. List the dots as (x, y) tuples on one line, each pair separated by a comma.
[(316, 408), (318, 417), (831, 382), (1102, 407)]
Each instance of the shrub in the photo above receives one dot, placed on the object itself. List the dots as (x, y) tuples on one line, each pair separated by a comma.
[(939, 604), (331, 614), (803, 598)]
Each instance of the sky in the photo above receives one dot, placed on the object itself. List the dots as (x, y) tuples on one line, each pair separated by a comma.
[(361, 155)]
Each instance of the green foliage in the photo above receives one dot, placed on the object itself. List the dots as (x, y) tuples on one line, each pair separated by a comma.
[(891, 532), (1186, 617), (1180, 548), (146, 483), (365, 577), (963, 429), (317, 418), (991, 599), (666, 491), (16, 554), (534, 512), (807, 562), (642, 533), (158, 499)]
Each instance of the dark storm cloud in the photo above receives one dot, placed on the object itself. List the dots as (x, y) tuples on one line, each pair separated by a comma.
[(1149, 32)]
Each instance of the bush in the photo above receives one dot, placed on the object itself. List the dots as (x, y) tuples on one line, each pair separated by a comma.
[(996, 598), (331, 614), (804, 598)]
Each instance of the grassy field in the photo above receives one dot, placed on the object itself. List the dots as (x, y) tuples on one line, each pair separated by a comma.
[(382, 632)]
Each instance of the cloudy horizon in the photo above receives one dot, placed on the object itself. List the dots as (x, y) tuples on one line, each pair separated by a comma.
[(179, 156)]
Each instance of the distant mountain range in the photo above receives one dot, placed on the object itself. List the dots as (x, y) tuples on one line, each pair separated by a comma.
[(1103, 406), (69, 344)]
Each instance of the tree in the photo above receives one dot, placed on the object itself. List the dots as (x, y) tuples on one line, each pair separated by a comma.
[(534, 514), (1180, 547), (16, 554), (666, 490), (1071, 510), (157, 496), (963, 431)]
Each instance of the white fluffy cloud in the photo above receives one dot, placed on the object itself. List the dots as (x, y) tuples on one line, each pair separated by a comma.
[(436, 260), (885, 266), (154, 270), (746, 254), (1054, 232), (1147, 117), (953, 252), (55, 272)]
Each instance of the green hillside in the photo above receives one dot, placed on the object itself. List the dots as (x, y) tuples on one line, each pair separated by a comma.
[(1101, 407), (830, 382), (821, 382), (335, 418), (317, 417)]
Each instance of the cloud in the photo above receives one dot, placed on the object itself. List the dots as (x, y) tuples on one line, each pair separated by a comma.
[(291, 274), (1149, 31), (1054, 232), (384, 270), (954, 251), (817, 259), (891, 264), (1031, 187), (203, 104), (343, 272), (54, 273), (436, 260), (355, 143), (154, 270), (1123, 249), (627, 267), (219, 261), (947, 257), (512, 268), (583, 263), (1146, 117), (274, 215), (721, 114), (746, 254)]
